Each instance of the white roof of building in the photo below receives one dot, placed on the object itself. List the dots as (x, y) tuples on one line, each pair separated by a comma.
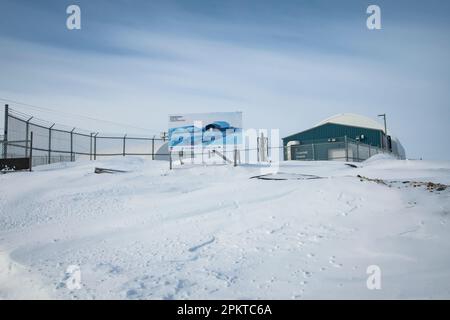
[(354, 120)]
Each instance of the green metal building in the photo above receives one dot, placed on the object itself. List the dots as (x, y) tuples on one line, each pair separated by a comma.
[(347, 137)]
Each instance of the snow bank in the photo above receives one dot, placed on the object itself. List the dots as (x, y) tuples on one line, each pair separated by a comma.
[(17, 283), (379, 157), (212, 232)]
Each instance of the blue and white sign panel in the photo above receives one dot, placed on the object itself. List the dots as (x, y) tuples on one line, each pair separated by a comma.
[(205, 130)]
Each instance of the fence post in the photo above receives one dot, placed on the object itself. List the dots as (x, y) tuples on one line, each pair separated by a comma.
[(72, 156), (124, 139), (170, 158), (192, 146), (153, 148), (5, 133), (50, 143), (203, 156), (90, 146), (346, 148), (357, 151), (27, 128), (235, 149), (257, 149), (95, 146), (31, 151), (313, 152)]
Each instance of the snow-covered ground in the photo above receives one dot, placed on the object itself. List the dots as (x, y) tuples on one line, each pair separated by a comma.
[(212, 232)]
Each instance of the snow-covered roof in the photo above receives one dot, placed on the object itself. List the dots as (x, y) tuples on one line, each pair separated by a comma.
[(351, 119)]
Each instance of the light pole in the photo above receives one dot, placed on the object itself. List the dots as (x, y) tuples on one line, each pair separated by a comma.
[(385, 126)]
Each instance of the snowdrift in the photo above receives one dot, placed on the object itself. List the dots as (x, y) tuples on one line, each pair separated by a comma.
[(212, 232)]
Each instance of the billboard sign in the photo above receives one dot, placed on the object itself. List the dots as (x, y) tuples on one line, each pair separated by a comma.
[(205, 129)]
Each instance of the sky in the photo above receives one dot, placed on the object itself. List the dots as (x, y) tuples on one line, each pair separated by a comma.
[(286, 65)]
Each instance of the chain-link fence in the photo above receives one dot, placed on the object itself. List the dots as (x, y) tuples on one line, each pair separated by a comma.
[(19, 157), (339, 149), (52, 143)]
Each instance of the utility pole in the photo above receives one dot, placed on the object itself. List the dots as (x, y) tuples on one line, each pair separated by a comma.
[(385, 126), (384, 118)]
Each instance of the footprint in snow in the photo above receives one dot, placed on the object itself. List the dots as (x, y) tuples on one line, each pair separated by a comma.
[(307, 274), (332, 261)]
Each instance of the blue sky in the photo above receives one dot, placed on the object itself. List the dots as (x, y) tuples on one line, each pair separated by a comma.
[(285, 64)]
